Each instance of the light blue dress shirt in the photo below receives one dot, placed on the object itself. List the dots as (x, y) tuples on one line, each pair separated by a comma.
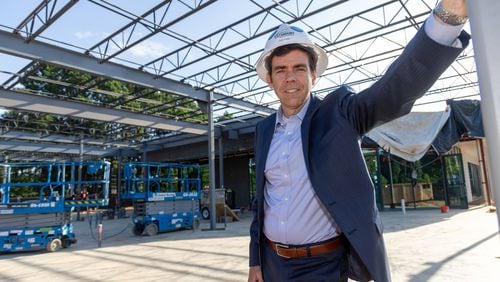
[(293, 214)]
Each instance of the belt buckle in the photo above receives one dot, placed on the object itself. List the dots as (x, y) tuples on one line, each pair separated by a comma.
[(278, 246)]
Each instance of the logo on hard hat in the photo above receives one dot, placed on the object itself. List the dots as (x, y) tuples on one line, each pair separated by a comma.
[(278, 34), (283, 34)]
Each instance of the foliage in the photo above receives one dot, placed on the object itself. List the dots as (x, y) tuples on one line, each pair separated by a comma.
[(61, 83), (225, 116)]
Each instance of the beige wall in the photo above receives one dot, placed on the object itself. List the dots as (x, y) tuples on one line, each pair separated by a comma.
[(471, 154)]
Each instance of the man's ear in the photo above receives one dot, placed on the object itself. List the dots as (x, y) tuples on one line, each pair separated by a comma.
[(313, 77), (269, 80)]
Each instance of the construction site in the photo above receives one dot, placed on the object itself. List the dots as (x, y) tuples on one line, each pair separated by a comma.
[(127, 137)]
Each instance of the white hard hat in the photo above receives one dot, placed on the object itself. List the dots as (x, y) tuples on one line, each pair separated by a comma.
[(284, 35)]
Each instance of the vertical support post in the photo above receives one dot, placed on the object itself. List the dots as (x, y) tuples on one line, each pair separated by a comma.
[(391, 182), (414, 183), (221, 163), (5, 194), (380, 194), (484, 23), (79, 180), (63, 180), (80, 166), (118, 185), (144, 153), (99, 234), (445, 180), (211, 160), (485, 181), (221, 176), (192, 215)]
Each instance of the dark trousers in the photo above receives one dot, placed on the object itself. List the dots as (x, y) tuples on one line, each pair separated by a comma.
[(331, 266)]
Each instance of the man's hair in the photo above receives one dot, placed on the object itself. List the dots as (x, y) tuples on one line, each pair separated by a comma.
[(283, 50)]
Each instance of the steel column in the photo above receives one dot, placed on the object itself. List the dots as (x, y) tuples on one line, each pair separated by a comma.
[(211, 160), (484, 23)]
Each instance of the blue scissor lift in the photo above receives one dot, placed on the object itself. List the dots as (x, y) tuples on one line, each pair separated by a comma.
[(36, 200), (166, 196)]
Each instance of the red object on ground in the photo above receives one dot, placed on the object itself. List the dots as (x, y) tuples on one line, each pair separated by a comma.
[(444, 208)]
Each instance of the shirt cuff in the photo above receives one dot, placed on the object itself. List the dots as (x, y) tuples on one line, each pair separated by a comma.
[(442, 33)]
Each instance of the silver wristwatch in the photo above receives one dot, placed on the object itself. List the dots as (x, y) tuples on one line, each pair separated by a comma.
[(447, 17)]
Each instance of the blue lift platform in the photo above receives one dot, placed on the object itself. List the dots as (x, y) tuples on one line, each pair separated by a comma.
[(165, 196), (36, 200)]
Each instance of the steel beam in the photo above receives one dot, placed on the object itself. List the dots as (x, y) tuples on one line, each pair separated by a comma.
[(245, 125), (14, 45), (45, 14), (58, 138), (17, 145), (36, 103), (151, 21)]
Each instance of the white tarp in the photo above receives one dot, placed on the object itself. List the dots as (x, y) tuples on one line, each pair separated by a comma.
[(410, 136)]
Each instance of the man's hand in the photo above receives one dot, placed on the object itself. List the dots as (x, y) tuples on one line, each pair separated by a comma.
[(456, 7), (255, 274)]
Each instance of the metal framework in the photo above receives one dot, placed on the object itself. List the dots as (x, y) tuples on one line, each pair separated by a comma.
[(205, 46)]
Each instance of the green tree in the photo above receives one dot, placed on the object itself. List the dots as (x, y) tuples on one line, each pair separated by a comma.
[(225, 116), (61, 83)]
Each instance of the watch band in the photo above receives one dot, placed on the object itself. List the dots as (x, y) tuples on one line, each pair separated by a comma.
[(447, 17)]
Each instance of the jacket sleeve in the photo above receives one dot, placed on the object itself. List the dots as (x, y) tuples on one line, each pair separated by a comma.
[(254, 237), (407, 79), (254, 226)]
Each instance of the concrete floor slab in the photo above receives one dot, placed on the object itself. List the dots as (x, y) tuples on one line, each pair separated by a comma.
[(423, 245)]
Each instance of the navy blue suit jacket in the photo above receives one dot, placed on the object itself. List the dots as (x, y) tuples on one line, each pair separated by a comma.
[(331, 131)]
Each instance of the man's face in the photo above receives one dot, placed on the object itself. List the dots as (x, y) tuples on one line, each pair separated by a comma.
[(292, 80)]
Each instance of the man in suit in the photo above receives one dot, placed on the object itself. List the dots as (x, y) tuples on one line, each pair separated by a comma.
[(315, 214)]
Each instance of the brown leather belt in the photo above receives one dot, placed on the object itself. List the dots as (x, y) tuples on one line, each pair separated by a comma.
[(290, 251)]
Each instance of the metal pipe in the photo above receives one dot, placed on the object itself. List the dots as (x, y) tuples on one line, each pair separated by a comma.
[(485, 172), (99, 234)]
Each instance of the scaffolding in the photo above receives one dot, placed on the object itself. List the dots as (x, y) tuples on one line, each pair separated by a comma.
[(37, 200), (166, 196)]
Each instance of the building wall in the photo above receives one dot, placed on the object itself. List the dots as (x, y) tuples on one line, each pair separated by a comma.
[(471, 153), (237, 179), (198, 152)]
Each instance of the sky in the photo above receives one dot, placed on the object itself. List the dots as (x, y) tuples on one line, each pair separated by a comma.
[(85, 24)]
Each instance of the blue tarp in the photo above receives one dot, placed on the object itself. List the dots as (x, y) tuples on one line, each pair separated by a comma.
[(465, 120)]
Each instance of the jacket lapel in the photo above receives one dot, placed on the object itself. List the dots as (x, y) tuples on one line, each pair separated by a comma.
[(264, 143), (306, 125), (267, 134)]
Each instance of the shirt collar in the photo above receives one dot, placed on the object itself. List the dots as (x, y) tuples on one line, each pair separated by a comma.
[(281, 119)]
